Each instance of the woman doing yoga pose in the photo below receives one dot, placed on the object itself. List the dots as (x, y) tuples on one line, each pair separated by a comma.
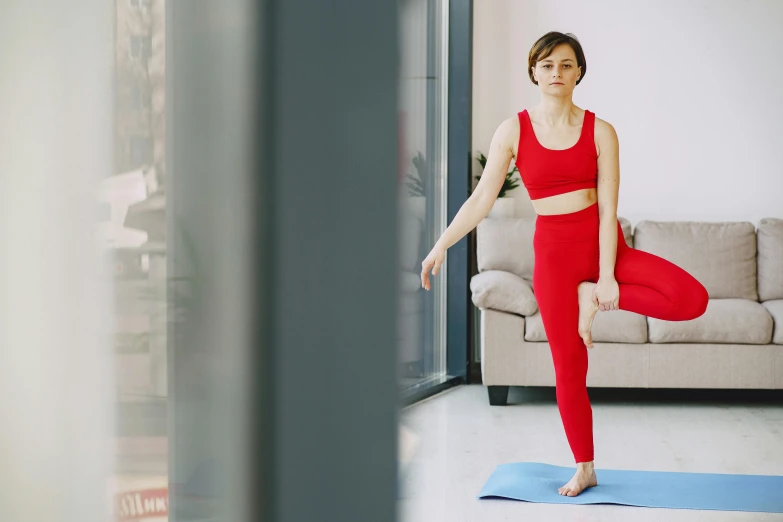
[(568, 160)]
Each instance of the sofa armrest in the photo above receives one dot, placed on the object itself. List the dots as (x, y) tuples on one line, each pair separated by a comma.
[(504, 291)]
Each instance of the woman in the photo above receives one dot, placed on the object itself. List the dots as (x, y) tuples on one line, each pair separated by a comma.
[(569, 163)]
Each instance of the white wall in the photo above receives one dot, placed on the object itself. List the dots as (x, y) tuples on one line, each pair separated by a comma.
[(694, 89), (57, 377)]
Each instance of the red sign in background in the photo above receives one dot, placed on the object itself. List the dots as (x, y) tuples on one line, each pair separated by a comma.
[(141, 504)]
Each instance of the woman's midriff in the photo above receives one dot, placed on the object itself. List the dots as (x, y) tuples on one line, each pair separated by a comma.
[(565, 203)]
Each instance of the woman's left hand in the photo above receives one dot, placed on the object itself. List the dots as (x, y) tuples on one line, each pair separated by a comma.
[(607, 294)]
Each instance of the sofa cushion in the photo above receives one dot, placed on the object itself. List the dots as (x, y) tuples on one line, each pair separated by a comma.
[(722, 256), (619, 326), (614, 326), (739, 321), (506, 244), (775, 309), (770, 260), (534, 328), (503, 291)]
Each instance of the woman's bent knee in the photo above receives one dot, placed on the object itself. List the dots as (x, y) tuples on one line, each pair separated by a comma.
[(702, 301), (694, 301)]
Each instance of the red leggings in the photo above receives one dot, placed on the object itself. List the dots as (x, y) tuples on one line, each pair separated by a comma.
[(567, 253)]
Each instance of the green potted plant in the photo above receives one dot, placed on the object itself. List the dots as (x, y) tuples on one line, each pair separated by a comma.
[(504, 205), (415, 184)]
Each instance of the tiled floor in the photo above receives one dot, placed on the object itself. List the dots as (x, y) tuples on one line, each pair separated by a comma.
[(462, 439)]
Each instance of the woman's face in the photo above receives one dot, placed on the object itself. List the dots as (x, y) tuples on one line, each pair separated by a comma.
[(558, 72)]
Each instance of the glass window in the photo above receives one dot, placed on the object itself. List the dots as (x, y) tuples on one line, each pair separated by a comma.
[(139, 97), (423, 133), (140, 3), (134, 234), (140, 150), (140, 46)]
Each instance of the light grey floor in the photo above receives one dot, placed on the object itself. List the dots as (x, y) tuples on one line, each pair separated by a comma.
[(462, 439)]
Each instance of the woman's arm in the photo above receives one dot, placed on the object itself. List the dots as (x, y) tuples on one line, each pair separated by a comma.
[(607, 291), (480, 201), (483, 197)]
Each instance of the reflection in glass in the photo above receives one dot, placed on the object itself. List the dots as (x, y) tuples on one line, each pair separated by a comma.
[(135, 242)]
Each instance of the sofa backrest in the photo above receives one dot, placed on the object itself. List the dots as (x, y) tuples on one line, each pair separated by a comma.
[(770, 259), (627, 230), (507, 244), (722, 256)]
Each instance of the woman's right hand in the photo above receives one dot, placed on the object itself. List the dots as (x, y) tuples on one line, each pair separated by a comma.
[(433, 261)]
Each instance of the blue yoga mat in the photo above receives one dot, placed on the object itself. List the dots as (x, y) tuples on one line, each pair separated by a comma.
[(536, 482)]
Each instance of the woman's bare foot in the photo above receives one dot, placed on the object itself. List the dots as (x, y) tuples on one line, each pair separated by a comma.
[(583, 478), (587, 311)]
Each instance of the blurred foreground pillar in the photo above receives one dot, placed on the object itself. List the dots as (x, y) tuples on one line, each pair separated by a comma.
[(282, 188)]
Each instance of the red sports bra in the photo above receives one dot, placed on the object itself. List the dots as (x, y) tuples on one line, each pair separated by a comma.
[(548, 172)]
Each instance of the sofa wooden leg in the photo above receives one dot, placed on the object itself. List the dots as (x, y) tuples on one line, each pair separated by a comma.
[(498, 395)]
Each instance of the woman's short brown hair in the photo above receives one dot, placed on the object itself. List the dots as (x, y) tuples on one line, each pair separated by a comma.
[(546, 44)]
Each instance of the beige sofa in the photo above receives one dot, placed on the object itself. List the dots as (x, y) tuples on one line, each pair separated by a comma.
[(737, 343)]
